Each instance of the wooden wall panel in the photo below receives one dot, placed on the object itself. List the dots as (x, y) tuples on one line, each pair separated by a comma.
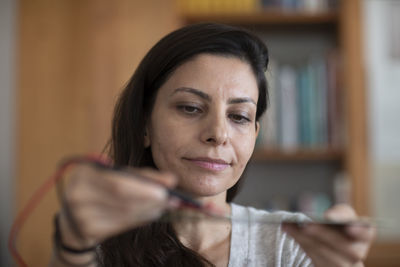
[(357, 157), (73, 59)]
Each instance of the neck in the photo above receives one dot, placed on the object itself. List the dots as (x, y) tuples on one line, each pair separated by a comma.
[(202, 233)]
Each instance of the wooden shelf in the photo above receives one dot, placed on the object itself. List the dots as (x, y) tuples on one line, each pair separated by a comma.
[(272, 17), (261, 155)]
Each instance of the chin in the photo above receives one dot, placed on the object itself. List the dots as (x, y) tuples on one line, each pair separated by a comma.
[(205, 191), (205, 185)]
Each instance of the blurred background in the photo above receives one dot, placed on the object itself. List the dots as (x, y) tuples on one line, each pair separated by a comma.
[(330, 136)]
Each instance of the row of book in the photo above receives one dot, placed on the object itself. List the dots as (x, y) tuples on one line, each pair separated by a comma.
[(248, 6), (194, 7), (312, 203), (305, 106), (300, 5)]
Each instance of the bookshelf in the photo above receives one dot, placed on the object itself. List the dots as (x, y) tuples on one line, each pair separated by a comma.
[(273, 17), (299, 155), (342, 25), (260, 20)]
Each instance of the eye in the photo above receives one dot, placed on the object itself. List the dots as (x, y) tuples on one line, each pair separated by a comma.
[(237, 118), (189, 109)]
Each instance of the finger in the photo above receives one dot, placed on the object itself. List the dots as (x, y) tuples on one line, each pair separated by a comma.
[(92, 185), (108, 202), (102, 224), (105, 215), (143, 174), (336, 240), (324, 257), (109, 193), (320, 254), (340, 212), (112, 201), (128, 186), (173, 203), (135, 214), (345, 213), (362, 233), (167, 179), (69, 235)]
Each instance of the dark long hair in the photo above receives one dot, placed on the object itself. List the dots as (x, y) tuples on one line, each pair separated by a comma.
[(157, 244)]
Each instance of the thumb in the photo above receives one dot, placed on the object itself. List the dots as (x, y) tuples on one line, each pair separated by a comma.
[(163, 178), (340, 212), (167, 179)]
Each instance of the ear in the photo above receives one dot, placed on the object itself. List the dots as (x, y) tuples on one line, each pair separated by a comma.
[(146, 138), (257, 128)]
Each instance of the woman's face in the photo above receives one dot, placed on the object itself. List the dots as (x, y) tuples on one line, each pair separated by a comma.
[(202, 126)]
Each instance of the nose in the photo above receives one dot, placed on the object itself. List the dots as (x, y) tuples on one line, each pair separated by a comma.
[(215, 130)]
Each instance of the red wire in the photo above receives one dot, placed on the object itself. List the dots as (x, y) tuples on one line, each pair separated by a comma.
[(47, 185), (37, 197)]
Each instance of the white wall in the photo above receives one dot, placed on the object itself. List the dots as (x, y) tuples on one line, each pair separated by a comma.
[(7, 122), (383, 81)]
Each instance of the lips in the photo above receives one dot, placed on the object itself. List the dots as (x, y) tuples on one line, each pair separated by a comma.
[(209, 163)]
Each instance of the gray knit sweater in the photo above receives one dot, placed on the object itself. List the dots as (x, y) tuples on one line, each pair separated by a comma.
[(256, 244)]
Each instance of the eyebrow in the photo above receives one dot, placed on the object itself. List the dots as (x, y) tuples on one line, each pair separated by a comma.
[(241, 100), (192, 91), (208, 97)]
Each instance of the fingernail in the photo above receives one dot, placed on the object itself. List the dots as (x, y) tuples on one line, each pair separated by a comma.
[(354, 231), (173, 203)]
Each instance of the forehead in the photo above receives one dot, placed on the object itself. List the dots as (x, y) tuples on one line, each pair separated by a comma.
[(216, 75)]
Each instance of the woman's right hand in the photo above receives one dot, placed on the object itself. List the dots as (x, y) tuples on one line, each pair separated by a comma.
[(104, 203)]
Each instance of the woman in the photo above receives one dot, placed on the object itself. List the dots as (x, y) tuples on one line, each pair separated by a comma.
[(189, 118)]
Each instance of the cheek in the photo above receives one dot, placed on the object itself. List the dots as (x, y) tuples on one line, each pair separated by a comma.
[(162, 140), (244, 148), (167, 142)]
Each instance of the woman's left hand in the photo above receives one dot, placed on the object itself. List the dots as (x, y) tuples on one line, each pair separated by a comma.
[(329, 246)]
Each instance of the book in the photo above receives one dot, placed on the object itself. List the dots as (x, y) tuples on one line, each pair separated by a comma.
[(303, 107), (268, 124), (288, 108), (335, 104), (321, 101)]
